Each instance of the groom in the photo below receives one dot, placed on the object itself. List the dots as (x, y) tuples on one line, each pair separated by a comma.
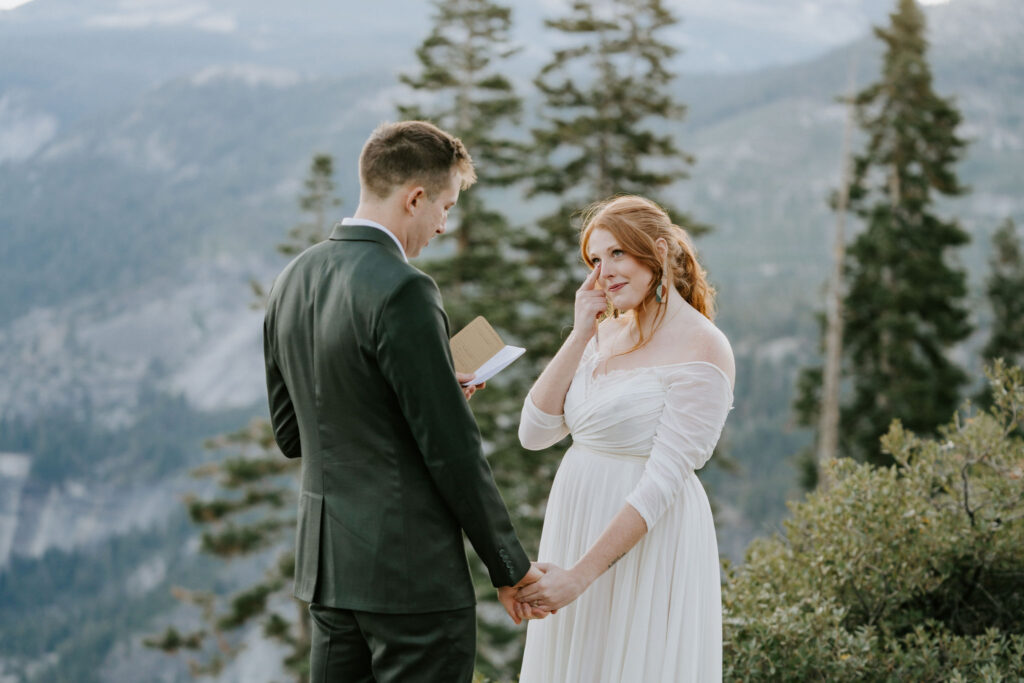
[(362, 387)]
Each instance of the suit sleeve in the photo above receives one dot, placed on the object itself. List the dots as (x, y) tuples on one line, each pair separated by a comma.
[(282, 411), (415, 358)]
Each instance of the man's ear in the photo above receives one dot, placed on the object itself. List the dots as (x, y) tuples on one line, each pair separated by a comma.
[(414, 198)]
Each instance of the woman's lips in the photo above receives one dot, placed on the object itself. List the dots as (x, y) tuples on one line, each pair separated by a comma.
[(616, 287)]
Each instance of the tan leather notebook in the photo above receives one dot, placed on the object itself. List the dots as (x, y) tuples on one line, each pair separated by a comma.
[(477, 348)]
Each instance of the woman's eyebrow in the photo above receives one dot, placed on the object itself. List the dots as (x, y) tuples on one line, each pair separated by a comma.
[(608, 250)]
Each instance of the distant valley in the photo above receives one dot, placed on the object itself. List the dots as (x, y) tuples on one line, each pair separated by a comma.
[(138, 200)]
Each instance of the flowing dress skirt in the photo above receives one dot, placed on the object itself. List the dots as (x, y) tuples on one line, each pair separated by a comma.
[(655, 616)]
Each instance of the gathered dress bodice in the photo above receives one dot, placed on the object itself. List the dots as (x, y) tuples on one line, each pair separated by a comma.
[(638, 435)]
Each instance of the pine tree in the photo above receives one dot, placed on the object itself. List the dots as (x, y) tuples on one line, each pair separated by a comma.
[(317, 202), (1004, 286), (466, 93), (254, 511), (905, 307), (1005, 289), (607, 129), (462, 88)]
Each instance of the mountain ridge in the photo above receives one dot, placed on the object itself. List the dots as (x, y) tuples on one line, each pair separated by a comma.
[(131, 231)]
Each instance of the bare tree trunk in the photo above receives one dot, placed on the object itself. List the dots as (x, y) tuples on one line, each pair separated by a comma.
[(828, 419)]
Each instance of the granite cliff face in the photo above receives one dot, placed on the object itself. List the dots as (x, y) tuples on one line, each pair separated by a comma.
[(194, 334)]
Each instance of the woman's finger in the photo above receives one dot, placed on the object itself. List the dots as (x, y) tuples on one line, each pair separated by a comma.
[(591, 280), (528, 593)]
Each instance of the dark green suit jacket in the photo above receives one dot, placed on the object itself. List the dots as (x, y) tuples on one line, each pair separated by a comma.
[(362, 386)]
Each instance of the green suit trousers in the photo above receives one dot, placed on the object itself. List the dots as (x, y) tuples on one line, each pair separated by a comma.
[(350, 646)]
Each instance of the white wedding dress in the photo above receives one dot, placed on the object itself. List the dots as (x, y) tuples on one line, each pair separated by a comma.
[(638, 435)]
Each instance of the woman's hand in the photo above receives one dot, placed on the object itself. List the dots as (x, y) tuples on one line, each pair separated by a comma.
[(556, 589), (590, 304)]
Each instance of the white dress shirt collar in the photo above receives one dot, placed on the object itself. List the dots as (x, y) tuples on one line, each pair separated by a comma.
[(374, 224)]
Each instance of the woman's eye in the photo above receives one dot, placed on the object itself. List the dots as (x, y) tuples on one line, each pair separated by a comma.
[(617, 252), (595, 261)]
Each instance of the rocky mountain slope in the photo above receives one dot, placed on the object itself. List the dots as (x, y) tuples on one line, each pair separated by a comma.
[(149, 163)]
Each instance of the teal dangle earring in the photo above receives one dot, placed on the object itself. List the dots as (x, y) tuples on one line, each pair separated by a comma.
[(659, 293)]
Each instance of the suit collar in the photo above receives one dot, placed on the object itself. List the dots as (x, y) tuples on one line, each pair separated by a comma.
[(366, 233)]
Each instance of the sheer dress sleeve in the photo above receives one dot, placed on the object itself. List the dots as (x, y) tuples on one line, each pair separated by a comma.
[(537, 429), (697, 403)]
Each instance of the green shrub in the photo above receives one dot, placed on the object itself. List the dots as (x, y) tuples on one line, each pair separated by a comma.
[(912, 572)]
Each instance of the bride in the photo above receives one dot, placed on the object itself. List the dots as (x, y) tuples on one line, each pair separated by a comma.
[(628, 546)]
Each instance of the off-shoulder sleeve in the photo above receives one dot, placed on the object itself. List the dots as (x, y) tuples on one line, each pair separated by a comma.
[(537, 429), (696, 405)]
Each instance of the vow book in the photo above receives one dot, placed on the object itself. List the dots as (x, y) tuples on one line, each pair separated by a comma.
[(477, 348)]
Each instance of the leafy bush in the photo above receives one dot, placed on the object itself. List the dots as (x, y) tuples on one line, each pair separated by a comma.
[(910, 572)]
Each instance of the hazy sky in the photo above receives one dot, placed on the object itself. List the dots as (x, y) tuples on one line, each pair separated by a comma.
[(11, 4)]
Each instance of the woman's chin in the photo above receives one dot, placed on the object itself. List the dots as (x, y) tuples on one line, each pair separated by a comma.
[(622, 303)]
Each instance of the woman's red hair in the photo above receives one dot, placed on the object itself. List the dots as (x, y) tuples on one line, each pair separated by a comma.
[(637, 223)]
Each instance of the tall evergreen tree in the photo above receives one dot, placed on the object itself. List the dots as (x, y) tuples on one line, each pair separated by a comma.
[(905, 307), (461, 86), (317, 202), (253, 513), (254, 510), (1005, 289), (607, 129), (463, 89)]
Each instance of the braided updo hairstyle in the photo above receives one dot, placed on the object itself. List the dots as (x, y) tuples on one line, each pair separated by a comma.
[(637, 223)]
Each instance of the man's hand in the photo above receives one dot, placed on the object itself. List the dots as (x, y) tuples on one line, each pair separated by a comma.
[(463, 378), (518, 611), (507, 598)]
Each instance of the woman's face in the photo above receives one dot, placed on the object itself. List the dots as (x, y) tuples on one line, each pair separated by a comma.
[(625, 280)]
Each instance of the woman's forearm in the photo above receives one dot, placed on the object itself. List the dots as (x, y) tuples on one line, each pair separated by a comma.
[(625, 531), (548, 392), (558, 587)]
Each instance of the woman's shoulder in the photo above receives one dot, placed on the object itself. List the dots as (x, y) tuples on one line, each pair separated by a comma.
[(704, 342)]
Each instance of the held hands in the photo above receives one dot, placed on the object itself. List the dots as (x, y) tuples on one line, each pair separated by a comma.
[(468, 391), (590, 304), (518, 611), (556, 589), (544, 590)]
